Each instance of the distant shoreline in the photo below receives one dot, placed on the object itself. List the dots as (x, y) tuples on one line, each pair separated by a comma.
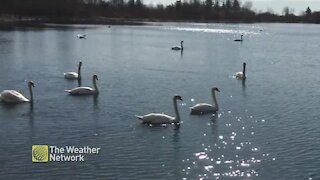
[(9, 21), (26, 21)]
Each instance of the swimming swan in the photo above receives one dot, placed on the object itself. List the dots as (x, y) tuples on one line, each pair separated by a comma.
[(74, 75), (82, 36), (14, 97), (157, 118), (241, 75), (85, 90), (239, 40), (177, 47), (204, 108)]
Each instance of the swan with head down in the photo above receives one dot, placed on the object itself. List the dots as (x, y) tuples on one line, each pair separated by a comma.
[(14, 97), (85, 90), (160, 118), (82, 36), (205, 108)]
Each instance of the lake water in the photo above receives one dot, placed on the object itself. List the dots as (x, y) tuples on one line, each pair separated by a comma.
[(267, 127)]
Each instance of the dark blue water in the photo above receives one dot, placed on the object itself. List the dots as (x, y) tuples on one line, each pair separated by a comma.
[(267, 128)]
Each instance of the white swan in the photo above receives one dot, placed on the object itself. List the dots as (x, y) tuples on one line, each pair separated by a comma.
[(74, 75), (82, 36), (177, 47), (158, 118), (241, 75), (85, 90), (204, 108), (239, 40), (14, 97)]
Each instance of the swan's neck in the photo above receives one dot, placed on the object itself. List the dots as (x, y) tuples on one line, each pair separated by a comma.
[(79, 82), (182, 45), (215, 100), (241, 38), (31, 94), (177, 120), (79, 72), (95, 87), (244, 71)]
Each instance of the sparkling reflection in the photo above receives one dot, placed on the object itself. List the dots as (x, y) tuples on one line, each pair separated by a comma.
[(234, 154)]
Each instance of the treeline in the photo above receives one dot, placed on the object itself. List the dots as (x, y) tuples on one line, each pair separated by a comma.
[(54, 8), (206, 10)]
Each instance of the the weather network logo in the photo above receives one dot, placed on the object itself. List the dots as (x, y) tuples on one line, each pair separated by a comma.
[(40, 153), (50, 153)]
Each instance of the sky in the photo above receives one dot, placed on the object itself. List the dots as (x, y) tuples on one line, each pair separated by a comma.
[(277, 5)]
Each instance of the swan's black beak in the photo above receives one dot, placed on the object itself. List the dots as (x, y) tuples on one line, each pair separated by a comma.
[(179, 98), (31, 83)]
